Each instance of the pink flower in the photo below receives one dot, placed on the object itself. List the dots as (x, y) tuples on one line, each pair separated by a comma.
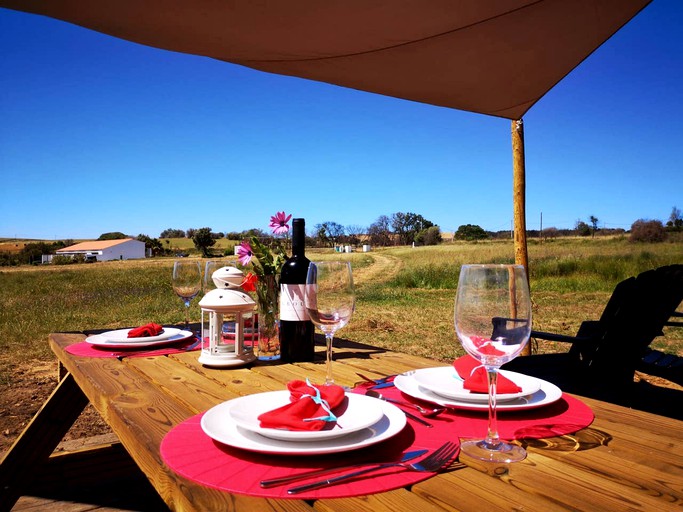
[(278, 223), (244, 253)]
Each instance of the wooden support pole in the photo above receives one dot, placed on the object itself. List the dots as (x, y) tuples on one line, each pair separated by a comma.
[(519, 200)]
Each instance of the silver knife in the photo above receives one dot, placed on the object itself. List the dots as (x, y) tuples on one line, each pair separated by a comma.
[(266, 484)]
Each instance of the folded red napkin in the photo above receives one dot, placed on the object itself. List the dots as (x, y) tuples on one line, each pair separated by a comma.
[(310, 408), (476, 379), (150, 329)]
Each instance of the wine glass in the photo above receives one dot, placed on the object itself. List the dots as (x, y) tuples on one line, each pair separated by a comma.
[(187, 283), (493, 323), (330, 300)]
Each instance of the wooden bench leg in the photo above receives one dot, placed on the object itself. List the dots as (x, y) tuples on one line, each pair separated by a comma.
[(39, 439)]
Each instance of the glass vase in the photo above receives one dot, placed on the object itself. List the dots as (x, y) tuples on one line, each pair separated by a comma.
[(268, 318)]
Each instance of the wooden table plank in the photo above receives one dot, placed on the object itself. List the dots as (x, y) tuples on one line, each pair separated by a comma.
[(476, 490), (391, 501)]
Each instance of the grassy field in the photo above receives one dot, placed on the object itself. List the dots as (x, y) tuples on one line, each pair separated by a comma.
[(405, 295)]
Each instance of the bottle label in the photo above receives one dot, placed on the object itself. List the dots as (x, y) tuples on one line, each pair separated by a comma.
[(292, 306)]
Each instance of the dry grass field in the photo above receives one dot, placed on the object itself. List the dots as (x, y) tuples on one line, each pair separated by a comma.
[(405, 302)]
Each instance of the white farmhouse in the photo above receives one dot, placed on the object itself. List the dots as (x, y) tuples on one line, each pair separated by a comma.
[(106, 250)]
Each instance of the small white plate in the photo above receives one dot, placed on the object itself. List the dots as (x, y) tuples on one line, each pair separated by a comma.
[(361, 412), (219, 426), (101, 341), (445, 381), (121, 335), (548, 394)]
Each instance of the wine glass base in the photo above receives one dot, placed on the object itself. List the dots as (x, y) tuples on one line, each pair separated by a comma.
[(502, 453)]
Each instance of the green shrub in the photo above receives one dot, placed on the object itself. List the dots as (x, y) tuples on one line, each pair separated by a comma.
[(59, 259)]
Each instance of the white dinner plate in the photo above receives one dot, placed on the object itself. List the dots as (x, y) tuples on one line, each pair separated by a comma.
[(548, 394), (361, 412), (217, 423), (121, 335), (446, 382), (101, 341)]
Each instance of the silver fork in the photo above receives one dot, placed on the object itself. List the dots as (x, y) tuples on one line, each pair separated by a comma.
[(438, 459)]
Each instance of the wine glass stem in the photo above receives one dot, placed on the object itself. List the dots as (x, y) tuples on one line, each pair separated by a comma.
[(328, 340), (187, 314), (492, 438)]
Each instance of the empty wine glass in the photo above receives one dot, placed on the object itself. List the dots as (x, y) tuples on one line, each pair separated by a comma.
[(330, 300), (187, 283), (493, 323)]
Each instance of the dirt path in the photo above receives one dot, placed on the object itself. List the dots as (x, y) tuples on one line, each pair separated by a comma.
[(384, 268)]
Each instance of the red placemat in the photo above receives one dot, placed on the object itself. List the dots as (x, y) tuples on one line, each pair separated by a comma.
[(191, 453), (566, 416), (85, 349)]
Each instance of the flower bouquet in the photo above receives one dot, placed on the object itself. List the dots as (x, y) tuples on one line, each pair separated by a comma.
[(266, 261)]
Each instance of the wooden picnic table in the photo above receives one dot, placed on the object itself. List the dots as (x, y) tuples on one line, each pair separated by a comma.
[(625, 460)]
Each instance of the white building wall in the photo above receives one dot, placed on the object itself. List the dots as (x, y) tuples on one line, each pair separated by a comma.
[(130, 250)]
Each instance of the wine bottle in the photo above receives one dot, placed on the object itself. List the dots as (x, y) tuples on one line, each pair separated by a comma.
[(296, 328)]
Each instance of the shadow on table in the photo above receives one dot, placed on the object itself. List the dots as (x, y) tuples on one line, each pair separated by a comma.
[(352, 349)]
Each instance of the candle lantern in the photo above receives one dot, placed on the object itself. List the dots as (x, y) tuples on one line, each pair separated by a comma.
[(224, 311)]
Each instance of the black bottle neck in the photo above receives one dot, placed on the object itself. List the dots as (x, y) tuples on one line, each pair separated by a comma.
[(298, 237)]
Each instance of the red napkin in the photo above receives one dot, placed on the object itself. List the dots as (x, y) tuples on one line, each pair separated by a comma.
[(143, 331), (305, 404), (476, 380)]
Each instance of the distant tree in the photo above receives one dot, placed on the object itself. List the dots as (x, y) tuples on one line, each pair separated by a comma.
[(203, 239), (33, 252), (152, 243), (594, 224), (354, 233), (647, 231), (189, 233), (582, 229), (408, 225), (334, 230), (379, 231), (470, 232), (114, 235), (320, 234), (429, 236), (329, 233), (172, 233), (675, 222), (551, 232)]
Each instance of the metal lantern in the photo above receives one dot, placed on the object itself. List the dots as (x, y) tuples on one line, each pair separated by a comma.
[(228, 277), (224, 311)]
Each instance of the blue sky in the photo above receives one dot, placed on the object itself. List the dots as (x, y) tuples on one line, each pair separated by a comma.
[(98, 135)]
